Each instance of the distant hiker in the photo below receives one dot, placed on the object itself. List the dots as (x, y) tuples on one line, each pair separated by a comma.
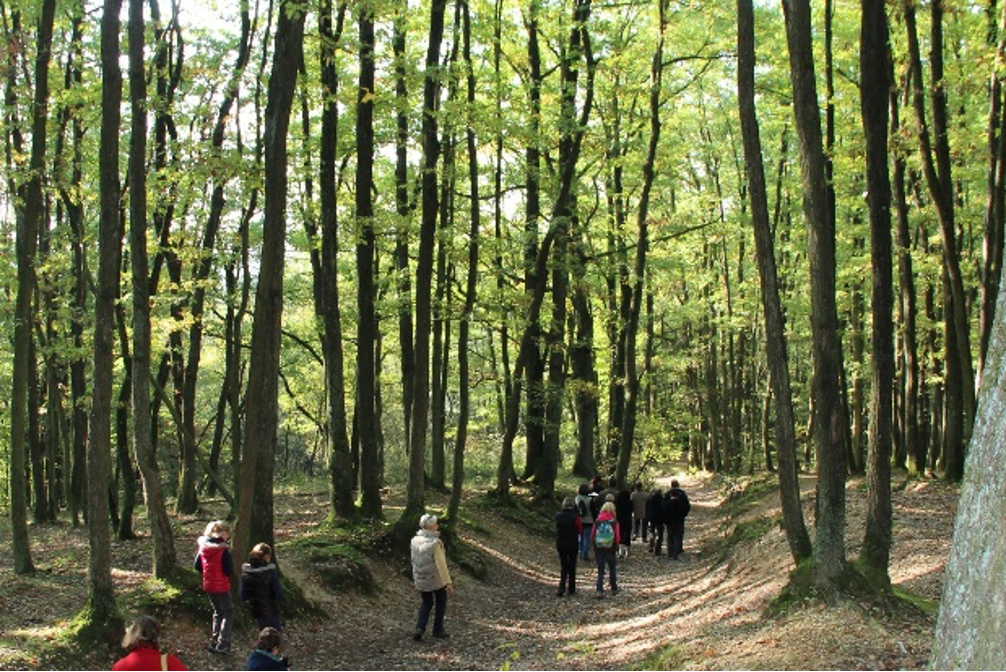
[(596, 500), (605, 538), (260, 587), (655, 516), (568, 528), (214, 562), (583, 506), (429, 571), (144, 654), (266, 655), (611, 490), (623, 512), (639, 497), (676, 508)]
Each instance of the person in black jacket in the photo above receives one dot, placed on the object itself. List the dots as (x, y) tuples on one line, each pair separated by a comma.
[(568, 528), (623, 513), (676, 508), (260, 587), (655, 517)]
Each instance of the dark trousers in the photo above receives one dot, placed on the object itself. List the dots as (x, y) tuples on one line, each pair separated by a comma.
[(656, 537), (675, 539), (567, 564), (223, 618), (639, 525), (429, 596)]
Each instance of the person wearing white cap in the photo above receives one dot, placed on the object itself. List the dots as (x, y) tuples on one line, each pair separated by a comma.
[(429, 571)]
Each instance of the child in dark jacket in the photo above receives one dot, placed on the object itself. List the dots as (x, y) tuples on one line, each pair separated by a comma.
[(266, 654), (214, 562), (260, 587)]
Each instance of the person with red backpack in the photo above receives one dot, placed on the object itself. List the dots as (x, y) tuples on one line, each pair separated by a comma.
[(605, 537)]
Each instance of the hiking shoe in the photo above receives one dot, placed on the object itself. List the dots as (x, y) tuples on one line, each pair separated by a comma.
[(418, 635), (600, 594), (222, 650), (559, 593), (441, 635)]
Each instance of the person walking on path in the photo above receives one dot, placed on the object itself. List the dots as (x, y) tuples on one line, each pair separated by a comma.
[(266, 655), (140, 641), (260, 587), (605, 539), (583, 506), (214, 562), (623, 512), (429, 571), (676, 509), (639, 497), (655, 516), (568, 529)]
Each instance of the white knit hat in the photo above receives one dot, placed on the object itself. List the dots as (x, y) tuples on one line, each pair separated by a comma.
[(427, 521)]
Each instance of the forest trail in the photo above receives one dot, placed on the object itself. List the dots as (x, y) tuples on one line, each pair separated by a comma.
[(702, 612)]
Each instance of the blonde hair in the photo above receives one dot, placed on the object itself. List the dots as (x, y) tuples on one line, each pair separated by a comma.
[(217, 528), (259, 552), (143, 630), (609, 507)]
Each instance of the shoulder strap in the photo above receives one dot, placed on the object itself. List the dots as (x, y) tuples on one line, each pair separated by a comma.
[(164, 662)]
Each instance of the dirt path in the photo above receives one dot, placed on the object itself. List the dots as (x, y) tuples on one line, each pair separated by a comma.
[(702, 612)]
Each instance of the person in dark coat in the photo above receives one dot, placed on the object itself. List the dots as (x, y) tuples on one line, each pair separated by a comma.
[(568, 528), (655, 517), (676, 509), (260, 587), (623, 512), (266, 655)]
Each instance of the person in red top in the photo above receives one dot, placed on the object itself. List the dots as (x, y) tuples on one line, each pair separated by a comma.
[(606, 535), (141, 643), (214, 562)]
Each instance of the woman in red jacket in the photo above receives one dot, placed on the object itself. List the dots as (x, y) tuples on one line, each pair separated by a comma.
[(141, 643)]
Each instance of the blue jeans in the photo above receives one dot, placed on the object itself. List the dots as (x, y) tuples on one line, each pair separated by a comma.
[(585, 541), (606, 557), (424, 610)]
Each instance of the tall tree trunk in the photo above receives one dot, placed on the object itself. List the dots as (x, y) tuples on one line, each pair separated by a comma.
[(960, 371), (263, 374), (829, 426), (874, 94), (581, 359), (164, 557), (775, 330), (416, 495), (340, 469), (915, 447), (534, 413), (24, 310), (642, 245), (403, 208), (973, 609), (101, 609), (471, 285), (366, 374)]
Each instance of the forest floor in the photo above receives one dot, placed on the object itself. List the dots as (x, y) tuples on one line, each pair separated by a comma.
[(705, 611)]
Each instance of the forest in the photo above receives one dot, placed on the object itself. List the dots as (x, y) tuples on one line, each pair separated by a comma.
[(462, 256)]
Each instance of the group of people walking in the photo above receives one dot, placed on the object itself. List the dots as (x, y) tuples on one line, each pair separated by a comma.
[(607, 520), (260, 588)]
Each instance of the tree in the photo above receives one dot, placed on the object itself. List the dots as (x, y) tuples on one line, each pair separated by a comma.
[(366, 367), (829, 418), (776, 349), (874, 89), (263, 374), (165, 558), (416, 496), (973, 608), (27, 245), (101, 610)]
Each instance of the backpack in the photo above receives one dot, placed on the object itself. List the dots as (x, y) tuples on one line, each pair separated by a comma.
[(604, 537), (582, 507)]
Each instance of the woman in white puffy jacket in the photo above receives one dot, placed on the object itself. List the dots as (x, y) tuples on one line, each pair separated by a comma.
[(429, 571)]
